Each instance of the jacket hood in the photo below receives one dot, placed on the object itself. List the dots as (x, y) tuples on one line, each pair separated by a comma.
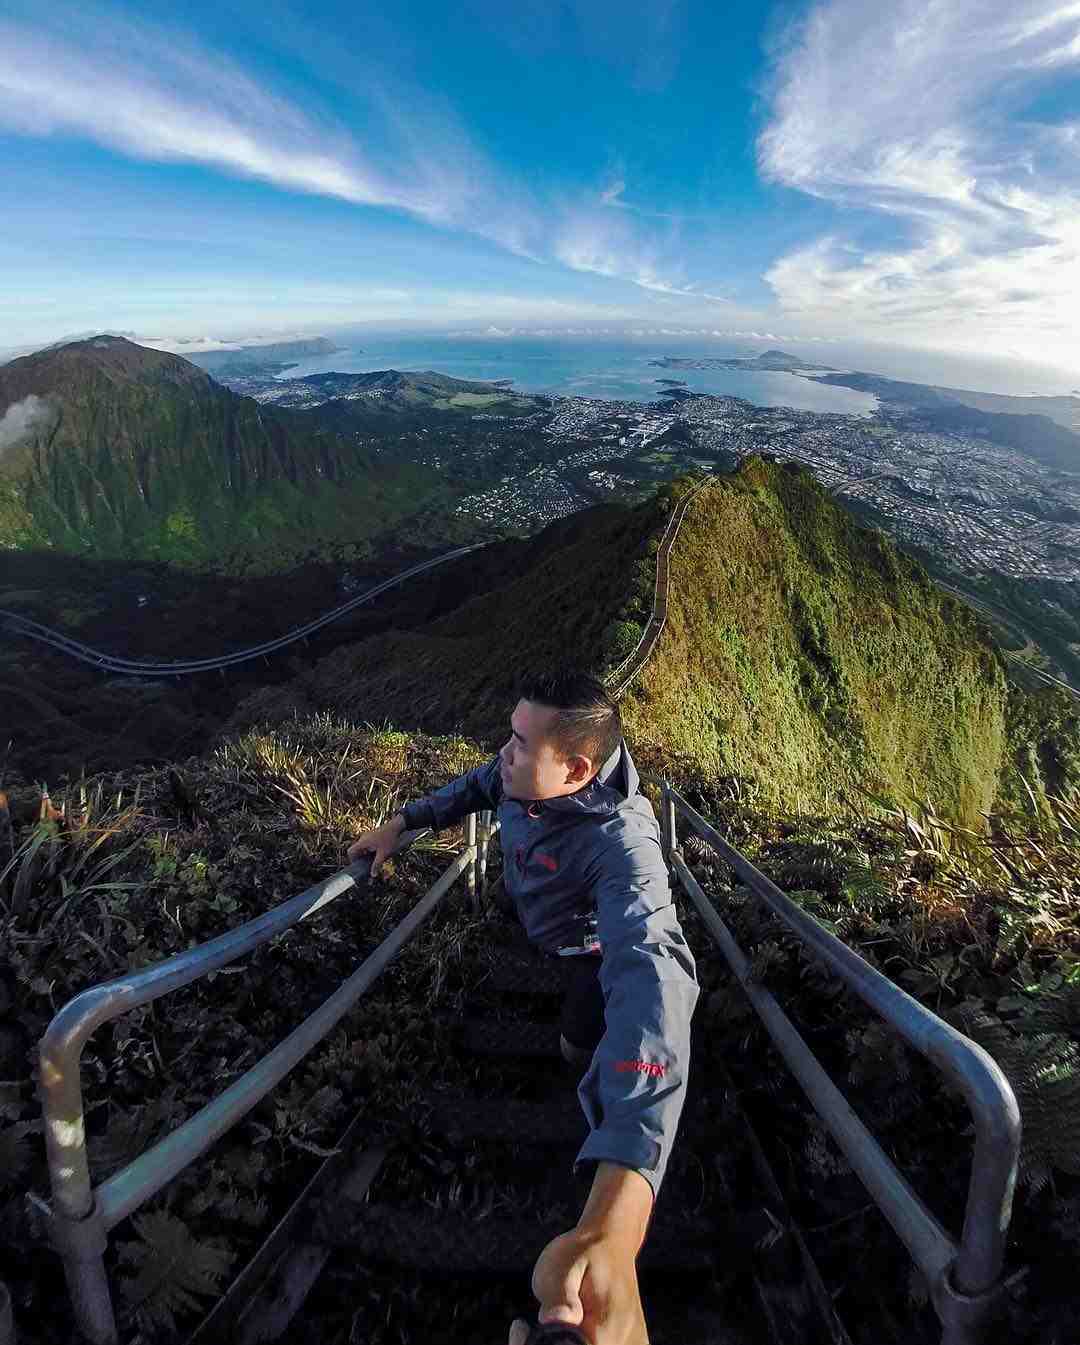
[(614, 782)]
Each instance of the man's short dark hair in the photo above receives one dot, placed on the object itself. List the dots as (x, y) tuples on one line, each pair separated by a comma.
[(586, 720)]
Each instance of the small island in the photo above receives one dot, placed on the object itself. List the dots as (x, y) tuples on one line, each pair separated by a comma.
[(771, 362)]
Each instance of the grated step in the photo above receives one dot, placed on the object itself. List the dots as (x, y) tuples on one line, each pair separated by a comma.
[(438, 1240), (517, 975), (511, 1038), (511, 1121)]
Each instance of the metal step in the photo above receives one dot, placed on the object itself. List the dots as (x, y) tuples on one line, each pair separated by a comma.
[(511, 1121), (511, 1038), (451, 1243), (516, 974), (551, 1133)]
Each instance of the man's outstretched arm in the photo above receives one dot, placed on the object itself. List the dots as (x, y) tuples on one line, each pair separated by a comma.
[(635, 1087), (479, 788), (468, 793), (588, 1275)]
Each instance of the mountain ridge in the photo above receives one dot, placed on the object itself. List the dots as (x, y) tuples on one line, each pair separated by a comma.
[(113, 449), (798, 647)]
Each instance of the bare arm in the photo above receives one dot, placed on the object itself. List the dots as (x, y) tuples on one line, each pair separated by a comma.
[(619, 1206)]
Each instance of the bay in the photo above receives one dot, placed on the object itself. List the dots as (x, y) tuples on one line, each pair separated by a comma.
[(584, 368)]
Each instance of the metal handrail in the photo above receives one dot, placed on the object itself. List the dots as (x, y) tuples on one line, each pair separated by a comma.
[(618, 680), (34, 630), (81, 1214), (964, 1278)]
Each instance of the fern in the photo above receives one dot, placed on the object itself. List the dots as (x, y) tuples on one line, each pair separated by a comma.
[(700, 850), (15, 1154), (1044, 1071), (1053, 1010), (864, 888), (132, 1131), (172, 1269), (878, 1057)]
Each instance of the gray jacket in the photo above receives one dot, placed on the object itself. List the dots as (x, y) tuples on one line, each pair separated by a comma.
[(587, 866)]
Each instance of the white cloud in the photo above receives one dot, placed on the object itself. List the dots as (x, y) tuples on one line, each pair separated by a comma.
[(152, 95), (612, 246), (907, 111), (162, 102), (22, 418)]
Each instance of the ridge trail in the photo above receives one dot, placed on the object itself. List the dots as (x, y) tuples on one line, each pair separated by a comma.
[(619, 678), (14, 624)]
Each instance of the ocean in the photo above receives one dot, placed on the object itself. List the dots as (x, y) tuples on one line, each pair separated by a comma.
[(584, 368)]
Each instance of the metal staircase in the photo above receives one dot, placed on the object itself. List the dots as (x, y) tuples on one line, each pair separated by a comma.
[(722, 1263)]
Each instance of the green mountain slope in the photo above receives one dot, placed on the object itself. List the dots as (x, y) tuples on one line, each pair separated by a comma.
[(802, 653), (392, 394), (113, 450), (805, 654)]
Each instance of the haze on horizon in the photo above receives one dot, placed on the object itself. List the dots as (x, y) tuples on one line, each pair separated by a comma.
[(798, 173)]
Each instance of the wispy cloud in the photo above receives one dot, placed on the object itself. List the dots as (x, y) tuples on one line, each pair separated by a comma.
[(910, 112), (589, 240), (154, 95), (612, 198), (612, 195), (157, 100), (22, 419)]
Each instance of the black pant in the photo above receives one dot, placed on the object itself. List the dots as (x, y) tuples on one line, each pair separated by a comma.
[(582, 1021)]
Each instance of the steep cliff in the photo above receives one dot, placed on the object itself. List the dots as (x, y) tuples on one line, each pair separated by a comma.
[(110, 449)]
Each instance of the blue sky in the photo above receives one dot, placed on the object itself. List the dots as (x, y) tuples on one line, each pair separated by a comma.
[(907, 173)]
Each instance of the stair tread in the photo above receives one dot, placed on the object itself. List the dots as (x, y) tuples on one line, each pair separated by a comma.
[(558, 1128), (511, 1120), (444, 1240), (510, 1037), (516, 974)]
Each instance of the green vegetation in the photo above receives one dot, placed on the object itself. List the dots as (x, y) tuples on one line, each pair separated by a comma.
[(458, 673), (844, 722), (120, 875), (803, 654), (109, 876), (807, 656), (982, 928), (475, 400), (142, 457)]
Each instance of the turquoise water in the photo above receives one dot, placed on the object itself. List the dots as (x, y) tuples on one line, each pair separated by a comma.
[(605, 369)]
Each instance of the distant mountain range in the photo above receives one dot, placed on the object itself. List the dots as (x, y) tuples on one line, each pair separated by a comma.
[(266, 360), (1044, 428), (390, 392)]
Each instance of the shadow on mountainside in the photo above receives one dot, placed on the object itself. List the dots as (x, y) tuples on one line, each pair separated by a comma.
[(60, 716)]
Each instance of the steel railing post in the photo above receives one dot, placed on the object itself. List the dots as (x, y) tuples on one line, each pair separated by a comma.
[(668, 835), (470, 872), (484, 842), (79, 1221), (966, 1292), (76, 1229)]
